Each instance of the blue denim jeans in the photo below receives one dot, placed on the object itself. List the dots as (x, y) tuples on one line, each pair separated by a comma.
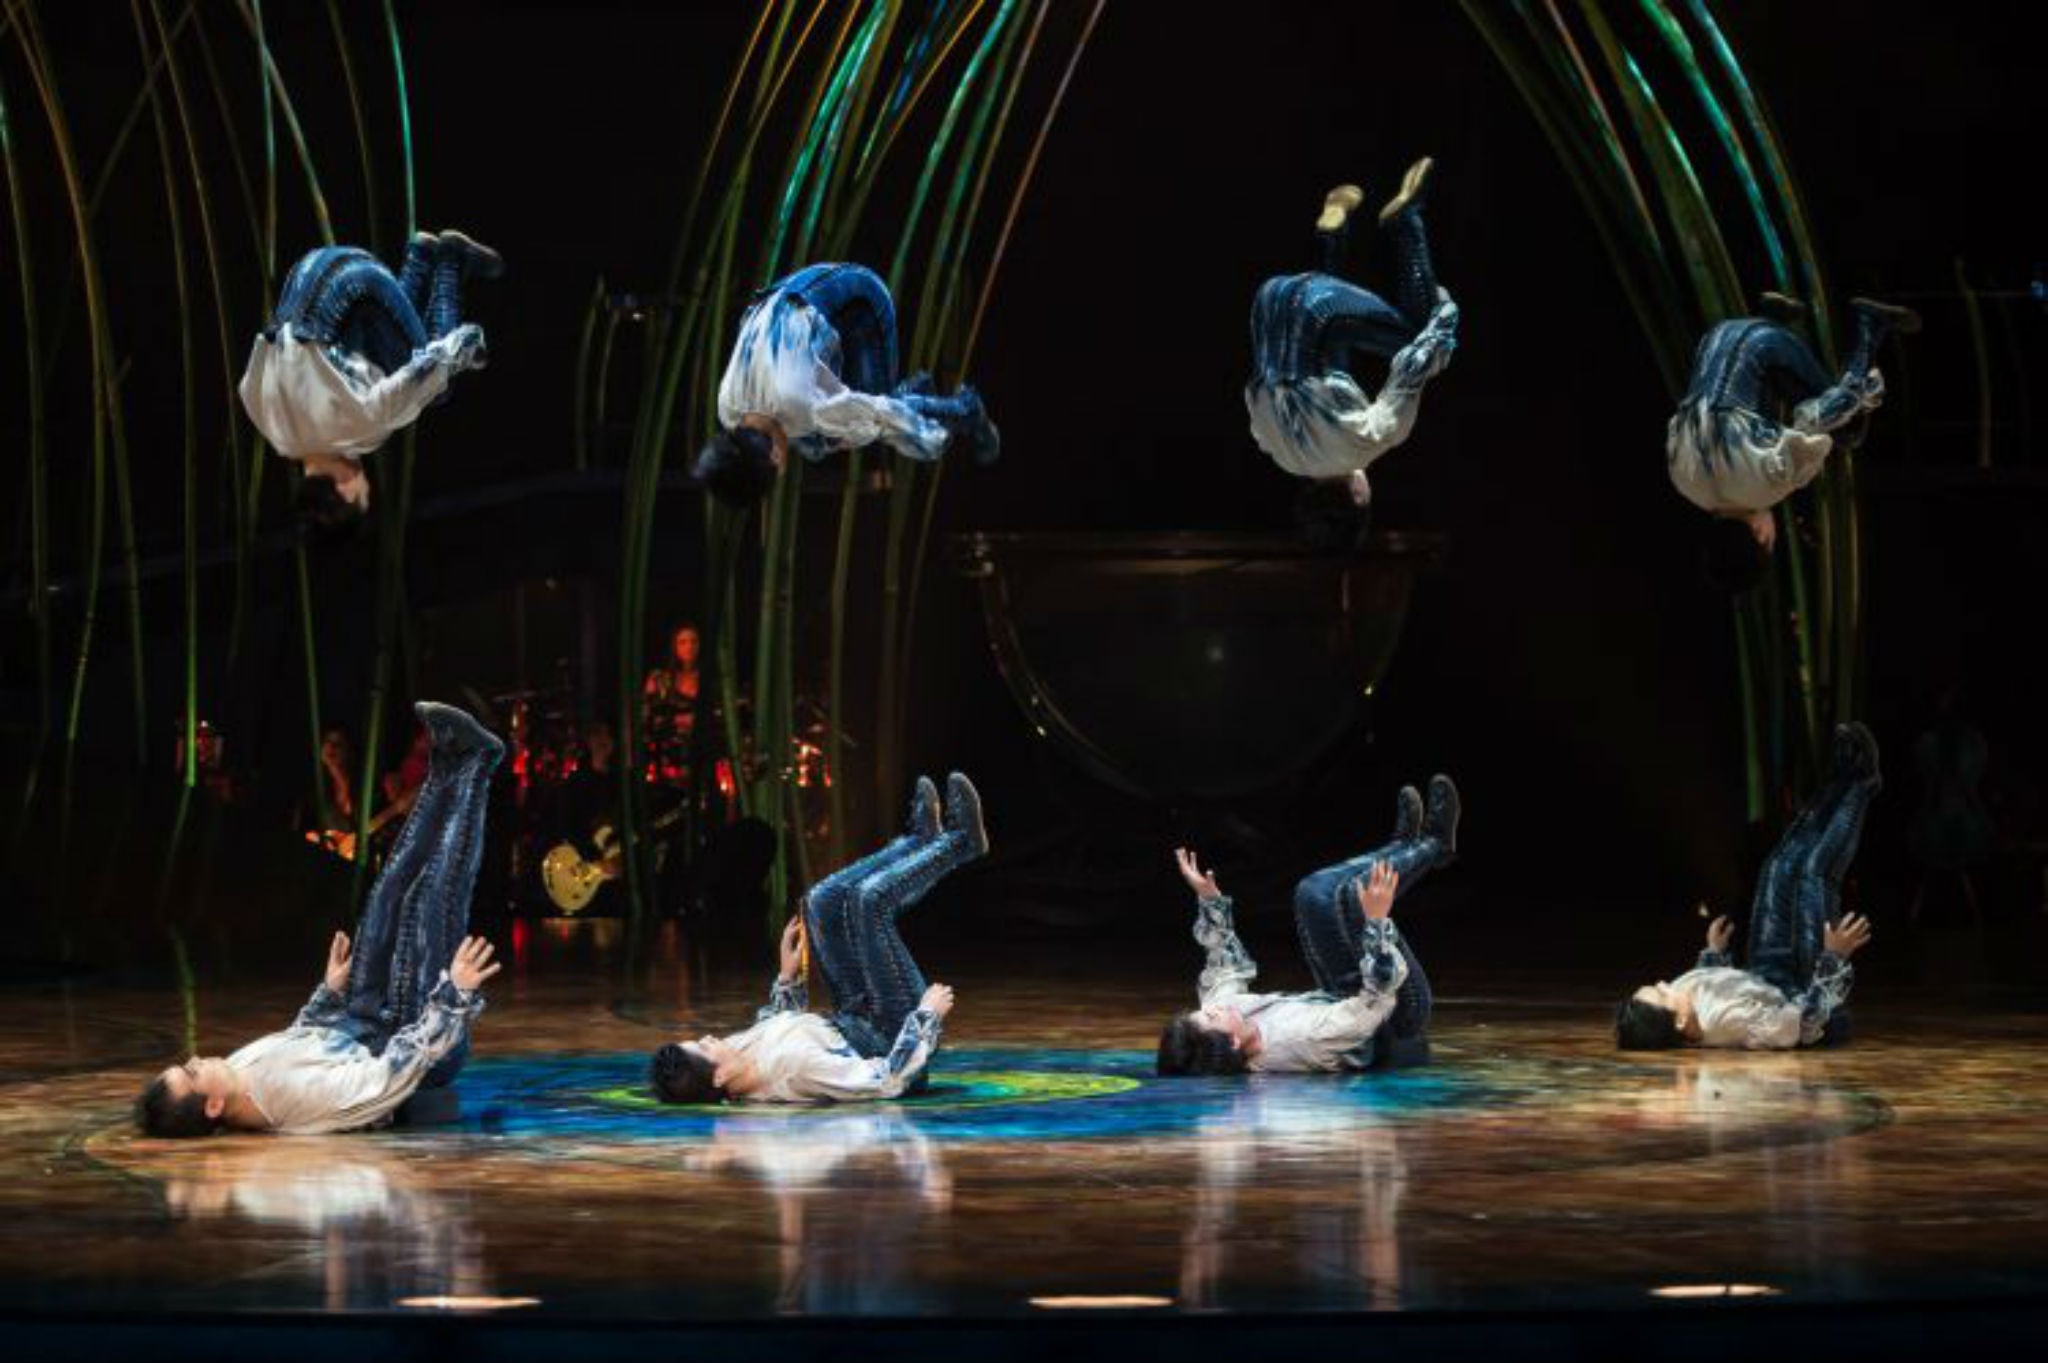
[(1307, 324), (1800, 889), (1327, 920), (1755, 365), (856, 302), (851, 918), (341, 295), (418, 911)]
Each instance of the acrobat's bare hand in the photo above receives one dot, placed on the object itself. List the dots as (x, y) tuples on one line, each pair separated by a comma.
[(1848, 935), (1720, 933), (472, 965), (791, 952), (339, 953), (1376, 891), (937, 1000), (1202, 882)]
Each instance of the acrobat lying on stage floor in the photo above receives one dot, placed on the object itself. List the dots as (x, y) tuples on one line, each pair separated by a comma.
[(1372, 1001), (393, 1012), (353, 353), (1799, 974), (815, 370), (1308, 410), (1726, 450), (885, 1024)]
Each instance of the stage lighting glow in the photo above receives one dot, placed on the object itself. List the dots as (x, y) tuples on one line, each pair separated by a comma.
[(466, 1303), (1695, 1291), (1124, 1303)]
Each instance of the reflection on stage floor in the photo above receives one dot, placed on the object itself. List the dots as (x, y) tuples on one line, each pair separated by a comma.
[(1045, 1171)]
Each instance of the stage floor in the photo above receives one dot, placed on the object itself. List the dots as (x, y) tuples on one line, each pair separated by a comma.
[(1047, 1172)]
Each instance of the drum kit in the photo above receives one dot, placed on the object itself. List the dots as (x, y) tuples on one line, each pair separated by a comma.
[(548, 747)]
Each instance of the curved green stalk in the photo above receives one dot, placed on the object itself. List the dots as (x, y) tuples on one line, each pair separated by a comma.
[(1766, 135), (1681, 47), (189, 428), (897, 699), (252, 13), (209, 238), (1581, 73), (1711, 268), (893, 665), (107, 426), (1634, 253), (355, 110), (38, 439), (650, 438), (277, 97), (864, 178), (224, 109), (389, 600), (935, 318), (412, 215), (60, 332), (579, 439)]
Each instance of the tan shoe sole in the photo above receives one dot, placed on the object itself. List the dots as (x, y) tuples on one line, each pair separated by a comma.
[(1411, 185), (1338, 205)]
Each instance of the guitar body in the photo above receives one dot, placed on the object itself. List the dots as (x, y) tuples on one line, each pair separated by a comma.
[(573, 880)]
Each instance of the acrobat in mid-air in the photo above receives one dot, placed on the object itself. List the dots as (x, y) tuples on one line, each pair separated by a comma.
[(1799, 975), (1308, 409), (353, 352), (392, 1013), (815, 370), (886, 1019), (1371, 1005), (1758, 420)]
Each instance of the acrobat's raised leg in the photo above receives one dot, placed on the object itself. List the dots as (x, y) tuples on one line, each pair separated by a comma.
[(1799, 889), (418, 911)]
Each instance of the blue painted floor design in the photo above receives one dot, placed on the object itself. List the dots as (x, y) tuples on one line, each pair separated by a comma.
[(975, 1095)]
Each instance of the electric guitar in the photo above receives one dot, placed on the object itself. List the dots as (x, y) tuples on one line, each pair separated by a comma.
[(572, 880)]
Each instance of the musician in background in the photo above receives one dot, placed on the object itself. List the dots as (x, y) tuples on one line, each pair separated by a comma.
[(588, 799), (668, 699), (400, 788), (337, 760), (402, 783)]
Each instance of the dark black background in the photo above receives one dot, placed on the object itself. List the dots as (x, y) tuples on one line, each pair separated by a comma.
[(1567, 664)]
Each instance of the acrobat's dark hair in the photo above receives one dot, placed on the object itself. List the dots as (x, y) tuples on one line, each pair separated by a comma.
[(157, 1113), (1640, 1026), (322, 509), (681, 1075), (738, 466), (1730, 556), (1187, 1047)]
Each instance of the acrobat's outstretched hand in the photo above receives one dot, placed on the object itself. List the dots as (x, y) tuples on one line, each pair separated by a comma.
[(472, 965), (1203, 883), (1376, 891), (1847, 936), (339, 954), (791, 953)]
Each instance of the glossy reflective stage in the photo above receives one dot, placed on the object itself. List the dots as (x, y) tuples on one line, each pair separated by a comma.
[(1045, 1170)]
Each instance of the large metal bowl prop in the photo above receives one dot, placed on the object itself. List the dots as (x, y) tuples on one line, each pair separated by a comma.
[(1192, 666)]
